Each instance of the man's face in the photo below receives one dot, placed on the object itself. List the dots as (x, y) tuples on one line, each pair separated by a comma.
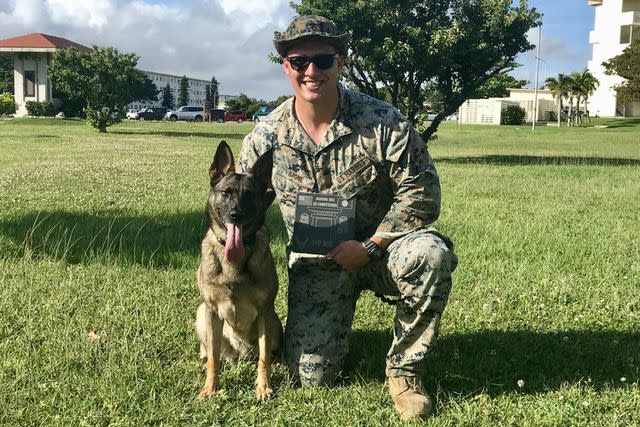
[(312, 83)]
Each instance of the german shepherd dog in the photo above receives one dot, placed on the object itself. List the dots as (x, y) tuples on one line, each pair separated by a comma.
[(237, 276)]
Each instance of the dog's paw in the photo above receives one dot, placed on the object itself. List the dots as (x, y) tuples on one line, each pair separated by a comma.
[(263, 392), (206, 393)]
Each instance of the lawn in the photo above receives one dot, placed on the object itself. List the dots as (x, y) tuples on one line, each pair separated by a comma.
[(99, 242)]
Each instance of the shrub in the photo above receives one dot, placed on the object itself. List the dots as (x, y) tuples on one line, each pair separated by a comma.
[(513, 115), (38, 109), (7, 105)]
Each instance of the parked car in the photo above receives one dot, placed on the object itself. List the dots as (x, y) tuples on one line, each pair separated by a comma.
[(186, 112), (132, 115), (235, 116), (217, 115), (152, 113), (263, 111)]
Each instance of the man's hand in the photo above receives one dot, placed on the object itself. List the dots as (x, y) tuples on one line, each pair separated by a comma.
[(350, 255)]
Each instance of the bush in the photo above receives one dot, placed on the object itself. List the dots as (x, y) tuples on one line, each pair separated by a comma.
[(7, 105), (38, 109), (513, 115)]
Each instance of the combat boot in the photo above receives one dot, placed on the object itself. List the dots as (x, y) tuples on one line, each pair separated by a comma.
[(410, 399)]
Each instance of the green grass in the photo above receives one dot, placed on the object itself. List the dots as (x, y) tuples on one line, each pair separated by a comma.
[(99, 237)]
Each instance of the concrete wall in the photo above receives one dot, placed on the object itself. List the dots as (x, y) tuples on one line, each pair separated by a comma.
[(605, 38), (33, 61)]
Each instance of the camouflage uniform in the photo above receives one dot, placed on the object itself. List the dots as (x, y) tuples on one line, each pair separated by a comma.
[(371, 153)]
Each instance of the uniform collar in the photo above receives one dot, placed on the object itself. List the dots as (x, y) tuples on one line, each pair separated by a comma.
[(340, 126)]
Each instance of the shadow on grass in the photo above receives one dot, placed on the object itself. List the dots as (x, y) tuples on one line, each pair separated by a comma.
[(622, 123), (180, 134), (540, 160), (169, 240), (494, 361)]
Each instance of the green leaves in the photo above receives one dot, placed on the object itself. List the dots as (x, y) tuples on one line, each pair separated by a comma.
[(626, 65), (404, 51), (105, 79)]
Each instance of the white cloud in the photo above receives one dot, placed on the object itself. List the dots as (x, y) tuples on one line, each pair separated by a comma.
[(198, 38), (94, 14)]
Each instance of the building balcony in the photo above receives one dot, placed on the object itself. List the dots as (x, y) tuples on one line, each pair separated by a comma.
[(630, 18), (594, 2), (593, 37)]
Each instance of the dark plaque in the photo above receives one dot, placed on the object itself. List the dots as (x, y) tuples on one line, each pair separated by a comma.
[(322, 221)]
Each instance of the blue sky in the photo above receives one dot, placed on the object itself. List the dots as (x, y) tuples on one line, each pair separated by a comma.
[(231, 38), (565, 39)]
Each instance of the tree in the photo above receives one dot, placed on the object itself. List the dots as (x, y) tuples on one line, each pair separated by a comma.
[(6, 73), (627, 66), (496, 86), (278, 101), (183, 91), (147, 91), (244, 103), (213, 97), (585, 84), (168, 100), (405, 48), (559, 88), (104, 79)]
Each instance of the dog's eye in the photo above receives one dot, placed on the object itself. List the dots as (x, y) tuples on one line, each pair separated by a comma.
[(225, 193)]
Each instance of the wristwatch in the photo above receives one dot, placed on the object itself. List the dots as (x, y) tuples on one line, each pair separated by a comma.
[(374, 251)]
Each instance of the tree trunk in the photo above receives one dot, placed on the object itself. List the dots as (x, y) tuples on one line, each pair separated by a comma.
[(586, 109)]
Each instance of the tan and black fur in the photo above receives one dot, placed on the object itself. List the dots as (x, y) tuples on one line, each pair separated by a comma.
[(237, 316)]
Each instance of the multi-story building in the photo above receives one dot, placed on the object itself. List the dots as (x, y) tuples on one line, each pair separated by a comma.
[(33, 54), (197, 90), (617, 23)]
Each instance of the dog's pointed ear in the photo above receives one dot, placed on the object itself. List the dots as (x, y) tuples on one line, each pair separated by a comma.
[(223, 163), (262, 168)]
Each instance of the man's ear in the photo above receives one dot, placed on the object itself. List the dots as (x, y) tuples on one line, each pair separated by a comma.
[(222, 164)]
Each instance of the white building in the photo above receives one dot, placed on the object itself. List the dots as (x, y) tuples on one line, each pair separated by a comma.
[(32, 55), (489, 111), (197, 90), (617, 23)]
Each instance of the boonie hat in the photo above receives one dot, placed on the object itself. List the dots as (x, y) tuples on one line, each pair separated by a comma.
[(310, 27)]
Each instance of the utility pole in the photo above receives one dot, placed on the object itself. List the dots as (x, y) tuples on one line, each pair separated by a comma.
[(535, 92)]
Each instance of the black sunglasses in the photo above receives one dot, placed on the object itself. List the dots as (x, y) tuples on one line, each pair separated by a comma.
[(323, 61)]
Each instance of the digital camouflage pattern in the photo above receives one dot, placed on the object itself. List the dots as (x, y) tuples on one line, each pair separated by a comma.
[(309, 27), (372, 154)]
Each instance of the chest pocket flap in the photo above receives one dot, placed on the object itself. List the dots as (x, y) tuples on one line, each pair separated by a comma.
[(356, 180)]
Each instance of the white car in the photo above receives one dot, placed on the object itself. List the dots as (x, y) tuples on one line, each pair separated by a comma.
[(132, 115), (194, 113)]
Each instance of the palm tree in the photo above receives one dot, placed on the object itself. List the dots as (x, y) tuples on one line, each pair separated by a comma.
[(587, 84), (559, 88), (574, 92)]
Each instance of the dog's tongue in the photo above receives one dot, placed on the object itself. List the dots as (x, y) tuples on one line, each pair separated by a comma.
[(233, 248)]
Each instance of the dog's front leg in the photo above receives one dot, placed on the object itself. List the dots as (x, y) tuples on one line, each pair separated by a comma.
[(263, 388), (213, 345)]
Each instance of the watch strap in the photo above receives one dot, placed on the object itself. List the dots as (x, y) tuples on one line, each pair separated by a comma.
[(374, 250)]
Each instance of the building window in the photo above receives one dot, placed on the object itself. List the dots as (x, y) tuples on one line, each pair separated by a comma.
[(29, 83), (630, 6), (629, 33)]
